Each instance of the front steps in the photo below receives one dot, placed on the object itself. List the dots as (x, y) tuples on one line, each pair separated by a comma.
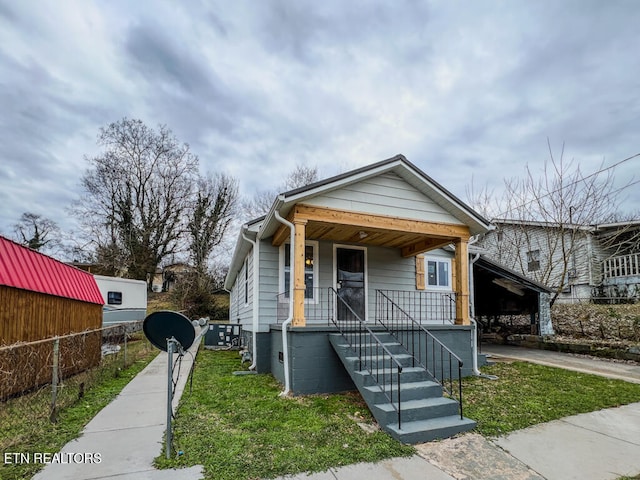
[(426, 414)]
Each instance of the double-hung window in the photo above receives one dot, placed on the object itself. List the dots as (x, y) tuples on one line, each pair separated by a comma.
[(310, 270)]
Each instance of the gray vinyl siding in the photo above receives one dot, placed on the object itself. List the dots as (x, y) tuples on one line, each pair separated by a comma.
[(269, 284), (598, 255), (243, 312), (325, 270), (386, 270), (386, 194)]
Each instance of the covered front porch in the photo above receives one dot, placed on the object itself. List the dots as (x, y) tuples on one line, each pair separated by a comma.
[(348, 280)]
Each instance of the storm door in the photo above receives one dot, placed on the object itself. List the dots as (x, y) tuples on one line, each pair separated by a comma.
[(350, 283)]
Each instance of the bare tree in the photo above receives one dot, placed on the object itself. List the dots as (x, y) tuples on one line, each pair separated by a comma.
[(621, 236), (545, 220), (213, 209), (136, 195), (262, 200), (300, 176), (37, 232)]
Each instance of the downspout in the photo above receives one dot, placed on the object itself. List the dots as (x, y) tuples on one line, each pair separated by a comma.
[(287, 322), (472, 315), (256, 297), (474, 337)]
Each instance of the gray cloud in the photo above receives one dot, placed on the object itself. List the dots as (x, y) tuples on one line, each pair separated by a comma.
[(255, 87)]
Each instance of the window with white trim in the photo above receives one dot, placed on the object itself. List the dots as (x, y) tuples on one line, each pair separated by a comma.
[(310, 270), (438, 272)]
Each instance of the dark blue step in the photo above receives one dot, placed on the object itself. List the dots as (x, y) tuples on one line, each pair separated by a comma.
[(426, 414)]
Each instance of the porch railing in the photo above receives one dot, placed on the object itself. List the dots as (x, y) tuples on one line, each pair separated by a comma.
[(373, 355), (425, 307), (431, 354), (622, 266), (319, 306)]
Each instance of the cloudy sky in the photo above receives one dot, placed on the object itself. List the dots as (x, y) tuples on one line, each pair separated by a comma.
[(462, 89)]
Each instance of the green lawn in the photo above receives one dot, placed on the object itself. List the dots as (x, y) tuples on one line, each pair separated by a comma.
[(526, 394), (238, 427)]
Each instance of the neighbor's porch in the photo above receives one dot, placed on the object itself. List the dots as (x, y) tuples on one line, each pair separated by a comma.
[(621, 278)]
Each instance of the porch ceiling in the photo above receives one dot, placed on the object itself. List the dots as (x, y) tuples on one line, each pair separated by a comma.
[(373, 236), (411, 236)]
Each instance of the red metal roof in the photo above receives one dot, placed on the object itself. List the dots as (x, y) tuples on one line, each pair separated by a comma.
[(23, 268)]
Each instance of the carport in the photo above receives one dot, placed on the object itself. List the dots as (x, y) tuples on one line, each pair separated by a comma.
[(508, 302)]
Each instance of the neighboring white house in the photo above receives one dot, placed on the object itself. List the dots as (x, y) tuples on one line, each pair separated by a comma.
[(125, 300), (580, 263)]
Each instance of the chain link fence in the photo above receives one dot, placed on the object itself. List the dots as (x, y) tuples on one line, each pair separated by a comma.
[(47, 375)]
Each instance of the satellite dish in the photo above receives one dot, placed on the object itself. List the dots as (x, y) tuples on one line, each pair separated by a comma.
[(159, 326)]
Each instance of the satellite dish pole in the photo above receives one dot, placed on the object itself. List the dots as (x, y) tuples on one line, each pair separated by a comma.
[(171, 332), (170, 342)]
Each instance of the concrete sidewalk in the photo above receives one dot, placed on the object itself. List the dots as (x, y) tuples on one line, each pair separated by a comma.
[(127, 434)]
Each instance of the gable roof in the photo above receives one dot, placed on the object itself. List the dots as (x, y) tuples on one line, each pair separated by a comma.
[(26, 269), (398, 165), (266, 226)]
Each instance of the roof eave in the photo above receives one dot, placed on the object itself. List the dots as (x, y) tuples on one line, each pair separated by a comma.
[(242, 249)]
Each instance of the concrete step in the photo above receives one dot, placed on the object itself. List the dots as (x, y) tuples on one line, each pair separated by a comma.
[(426, 414), (392, 346), (421, 431), (409, 391), (380, 361), (390, 376), (415, 410)]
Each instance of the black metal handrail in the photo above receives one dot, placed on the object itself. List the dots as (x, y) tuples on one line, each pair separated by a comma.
[(425, 306), (373, 355), (319, 306), (431, 353)]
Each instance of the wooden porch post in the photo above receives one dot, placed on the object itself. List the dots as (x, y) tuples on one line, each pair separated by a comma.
[(298, 273), (462, 282)]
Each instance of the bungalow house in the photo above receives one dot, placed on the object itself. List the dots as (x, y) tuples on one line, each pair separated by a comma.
[(344, 283)]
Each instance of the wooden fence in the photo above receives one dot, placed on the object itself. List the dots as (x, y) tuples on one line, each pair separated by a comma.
[(27, 316)]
